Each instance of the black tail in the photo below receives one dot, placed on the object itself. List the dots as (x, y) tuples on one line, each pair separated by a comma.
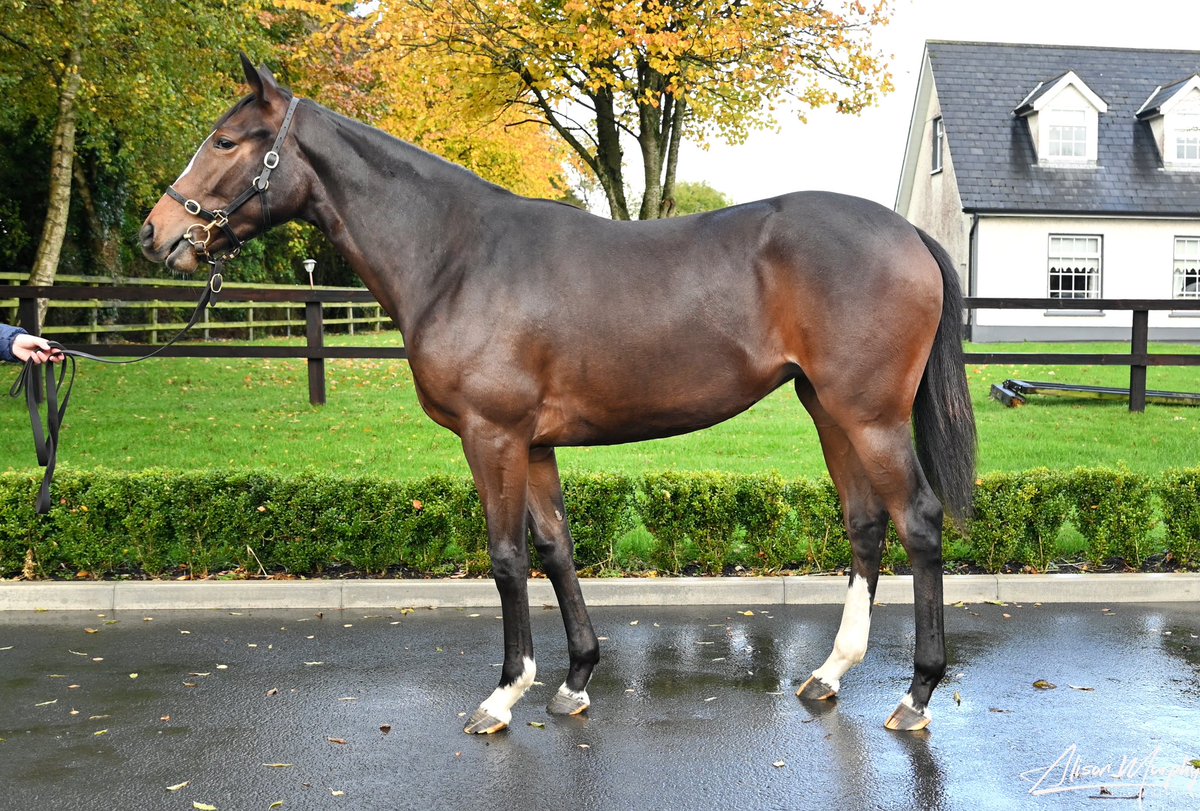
[(943, 418)]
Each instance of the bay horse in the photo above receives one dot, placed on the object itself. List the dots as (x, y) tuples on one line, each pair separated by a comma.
[(532, 325)]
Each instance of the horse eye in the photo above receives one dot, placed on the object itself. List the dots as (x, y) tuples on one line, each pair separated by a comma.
[(224, 143)]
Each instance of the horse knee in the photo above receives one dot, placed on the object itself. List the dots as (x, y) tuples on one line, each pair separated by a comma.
[(508, 563)]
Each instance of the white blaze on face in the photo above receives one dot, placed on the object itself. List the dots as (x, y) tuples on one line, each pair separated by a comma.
[(500, 703), (192, 162), (850, 645)]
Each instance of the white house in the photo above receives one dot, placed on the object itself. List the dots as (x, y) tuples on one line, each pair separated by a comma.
[(1060, 172)]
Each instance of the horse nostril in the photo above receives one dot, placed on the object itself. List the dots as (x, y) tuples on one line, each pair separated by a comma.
[(146, 234)]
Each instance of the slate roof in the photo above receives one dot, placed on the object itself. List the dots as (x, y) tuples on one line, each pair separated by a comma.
[(979, 84)]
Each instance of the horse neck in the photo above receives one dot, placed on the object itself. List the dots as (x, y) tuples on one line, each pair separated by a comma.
[(386, 206)]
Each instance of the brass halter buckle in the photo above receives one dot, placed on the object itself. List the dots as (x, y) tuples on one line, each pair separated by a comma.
[(200, 245)]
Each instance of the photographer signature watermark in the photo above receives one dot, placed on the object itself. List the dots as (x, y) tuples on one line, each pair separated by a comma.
[(1129, 774)]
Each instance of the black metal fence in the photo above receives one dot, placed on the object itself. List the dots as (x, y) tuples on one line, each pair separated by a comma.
[(314, 351)]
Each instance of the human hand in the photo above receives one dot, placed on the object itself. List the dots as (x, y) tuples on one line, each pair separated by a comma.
[(31, 347)]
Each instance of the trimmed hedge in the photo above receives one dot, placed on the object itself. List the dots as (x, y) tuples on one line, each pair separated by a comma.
[(158, 522)]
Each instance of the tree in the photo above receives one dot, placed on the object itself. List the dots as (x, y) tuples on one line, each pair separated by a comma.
[(122, 83), (695, 197), (654, 70), (349, 65)]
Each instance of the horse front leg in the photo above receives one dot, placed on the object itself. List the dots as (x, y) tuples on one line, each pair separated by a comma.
[(500, 466), (552, 538)]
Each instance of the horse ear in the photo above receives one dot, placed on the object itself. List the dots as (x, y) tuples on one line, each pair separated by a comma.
[(261, 82), (252, 77)]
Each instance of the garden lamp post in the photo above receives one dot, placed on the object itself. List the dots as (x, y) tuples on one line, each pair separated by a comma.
[(310, 265)]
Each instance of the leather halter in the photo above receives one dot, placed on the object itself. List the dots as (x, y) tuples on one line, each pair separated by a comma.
[(219, 218)]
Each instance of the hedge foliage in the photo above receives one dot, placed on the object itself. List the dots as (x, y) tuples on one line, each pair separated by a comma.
[(158, 523)]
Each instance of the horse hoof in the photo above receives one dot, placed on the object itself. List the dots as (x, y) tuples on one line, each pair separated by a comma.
[(816, 690), (483, 723), (907, 719), (568, 702)]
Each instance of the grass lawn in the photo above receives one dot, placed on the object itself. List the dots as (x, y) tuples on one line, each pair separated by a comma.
[(181, 413)]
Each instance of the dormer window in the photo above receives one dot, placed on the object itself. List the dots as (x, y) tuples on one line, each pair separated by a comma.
[(1173, 113), (1064, 121), (1068, 133)]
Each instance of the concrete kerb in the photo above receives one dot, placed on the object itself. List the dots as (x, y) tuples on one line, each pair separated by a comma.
[(453, 593)]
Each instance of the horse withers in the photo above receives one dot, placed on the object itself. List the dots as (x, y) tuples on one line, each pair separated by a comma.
[(531, 325)]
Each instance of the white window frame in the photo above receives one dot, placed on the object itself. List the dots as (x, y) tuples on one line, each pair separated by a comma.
[(939, 144), (1078, 260), (1186, 270), (1186, 137), (1067, 134)]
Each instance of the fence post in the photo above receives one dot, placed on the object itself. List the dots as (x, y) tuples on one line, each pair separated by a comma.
[(315, 334), (27, 314), (1138, 345)]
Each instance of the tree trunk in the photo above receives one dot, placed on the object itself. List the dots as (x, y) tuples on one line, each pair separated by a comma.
[(667, 206), (104, 248), (609, 155), (62, 156), (649, 121)]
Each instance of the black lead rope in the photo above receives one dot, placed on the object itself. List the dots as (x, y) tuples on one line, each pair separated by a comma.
[(45, 436)]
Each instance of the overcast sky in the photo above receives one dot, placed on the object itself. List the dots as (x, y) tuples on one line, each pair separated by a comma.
[(861, 155)]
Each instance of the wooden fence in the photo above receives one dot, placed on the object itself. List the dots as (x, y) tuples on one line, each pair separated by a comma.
[(253, 318), (315, 301)]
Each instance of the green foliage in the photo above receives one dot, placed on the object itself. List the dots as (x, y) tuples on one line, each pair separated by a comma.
[(1113, 512), (599, 512), (813, 535), (159, 523), (710, 520), (1002, 512), (1179, 493), (695, 197)]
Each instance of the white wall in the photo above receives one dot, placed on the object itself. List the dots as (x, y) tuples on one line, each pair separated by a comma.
[(1137, 262)]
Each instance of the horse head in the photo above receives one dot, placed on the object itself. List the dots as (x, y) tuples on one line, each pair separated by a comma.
[(230, 192)]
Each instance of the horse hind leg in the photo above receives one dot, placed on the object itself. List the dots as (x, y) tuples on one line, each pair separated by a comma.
[(552, 538), (866, 523), (891, 462)]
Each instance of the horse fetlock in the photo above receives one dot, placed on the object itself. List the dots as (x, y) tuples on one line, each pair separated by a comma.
[(498, 706)]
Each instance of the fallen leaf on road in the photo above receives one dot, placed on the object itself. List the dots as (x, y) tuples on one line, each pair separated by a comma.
[(1042, 684), (274, 691), (276, 804), (537, 725), (278, 765), (1082, 689), (957, 698), (100, 732), (47, 703), (779, 764), (340, 741), (203, 807), (337, 793), (385, 728), (178, 786)]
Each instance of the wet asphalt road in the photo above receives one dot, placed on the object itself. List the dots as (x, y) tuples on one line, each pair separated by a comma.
[(693, 709)]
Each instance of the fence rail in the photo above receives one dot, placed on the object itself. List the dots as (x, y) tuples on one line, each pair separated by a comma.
[(258, 313), (314, 351)]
